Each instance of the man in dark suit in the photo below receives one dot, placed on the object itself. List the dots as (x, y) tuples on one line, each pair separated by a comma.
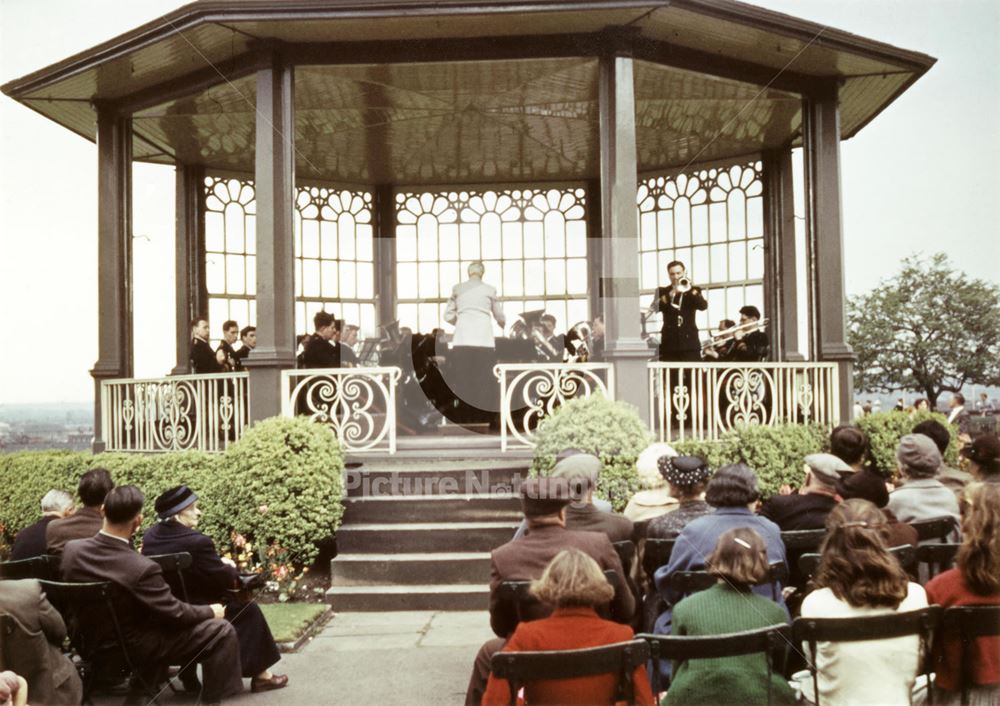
[(809, 507), (679, 340), (248, 337), (581, 471), (207, 582), (159, 630), (34, 649), (754, 346), (202, 358), (30, 541), (86, 521), (321, 348), (225, 353), (544, 502)]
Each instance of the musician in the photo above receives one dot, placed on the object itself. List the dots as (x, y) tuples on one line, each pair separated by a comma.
[(472, 306), (248, 337), (558, 343), (321, 348), (722, 351), (753, 346), (201, 358), (597, 340), (349, 339), (677, 304), (225, 353)]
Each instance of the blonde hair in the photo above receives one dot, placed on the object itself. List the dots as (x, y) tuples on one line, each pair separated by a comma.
[(979, 555), (572, 579)]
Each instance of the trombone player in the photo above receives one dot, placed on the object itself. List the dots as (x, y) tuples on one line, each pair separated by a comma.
[(678, 304)]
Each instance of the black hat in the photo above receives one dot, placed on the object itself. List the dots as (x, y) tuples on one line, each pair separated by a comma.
[(984, 450), (173, 501), (684, 471), (544, 496)]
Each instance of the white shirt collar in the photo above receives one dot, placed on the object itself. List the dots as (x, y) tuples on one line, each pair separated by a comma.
[(120, 539)]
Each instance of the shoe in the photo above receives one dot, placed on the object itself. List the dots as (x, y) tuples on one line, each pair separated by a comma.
[(277, 681)]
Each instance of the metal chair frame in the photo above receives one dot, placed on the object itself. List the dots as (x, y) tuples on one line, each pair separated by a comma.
[(970, 622), (43, 566), (176, 563)]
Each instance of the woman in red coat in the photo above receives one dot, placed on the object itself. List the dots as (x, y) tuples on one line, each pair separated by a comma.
[(976, 581), (574, 584)]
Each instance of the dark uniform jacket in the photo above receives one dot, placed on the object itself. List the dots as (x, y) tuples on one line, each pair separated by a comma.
[(30, 541), (202, 358), (33, 650), (798, 512), (753, 348), (320, 353), (239, 356), (230, 354), (679, 334), (526, 559), (348, 356), (82, 524), (208, 578)]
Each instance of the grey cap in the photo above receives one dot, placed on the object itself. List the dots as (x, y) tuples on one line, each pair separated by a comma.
[(918, 453), (827, 467), (585, 468)]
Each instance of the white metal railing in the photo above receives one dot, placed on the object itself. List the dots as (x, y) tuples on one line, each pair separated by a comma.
[(203, 412), (705, 400), (529, 392), (358, 404)]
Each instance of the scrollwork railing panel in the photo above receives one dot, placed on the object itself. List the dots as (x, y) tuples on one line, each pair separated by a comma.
[(705, 400), (184, 412), (358, 404), (529, 392)]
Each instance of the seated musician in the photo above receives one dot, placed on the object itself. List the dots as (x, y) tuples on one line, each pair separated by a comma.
[(752, 344), (556, 342), (321, 349), (721, 351), (348, 340)]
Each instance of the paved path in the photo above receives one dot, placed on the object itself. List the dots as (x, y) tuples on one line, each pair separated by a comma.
[(362, 659)]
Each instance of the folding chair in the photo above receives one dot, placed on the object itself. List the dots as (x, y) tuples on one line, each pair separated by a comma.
[(36, 567), (626, 554), (621, 659), (878, 627), (938, 557), (174, 564), (906, 554), (94, 631), (970, 622), (934, 528), (688, 582), (518, 593), (655, 554), (773, 641), (803, 540)]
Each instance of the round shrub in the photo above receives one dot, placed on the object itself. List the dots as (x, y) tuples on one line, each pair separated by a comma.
[(284, 487), (885, 429), (610, 430)]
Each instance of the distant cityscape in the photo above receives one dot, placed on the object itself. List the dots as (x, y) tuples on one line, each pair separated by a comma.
[(52, 425)]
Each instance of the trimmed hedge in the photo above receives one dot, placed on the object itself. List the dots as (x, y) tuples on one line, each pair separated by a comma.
[(612, 431), (885, 429), (280, 486)]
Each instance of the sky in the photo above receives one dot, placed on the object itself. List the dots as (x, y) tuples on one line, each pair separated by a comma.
[(921, 178)]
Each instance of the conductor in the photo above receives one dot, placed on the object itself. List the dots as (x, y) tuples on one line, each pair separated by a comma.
[(471, 308), (677, 304)]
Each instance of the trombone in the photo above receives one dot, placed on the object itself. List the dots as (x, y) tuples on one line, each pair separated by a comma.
[(730, 334)]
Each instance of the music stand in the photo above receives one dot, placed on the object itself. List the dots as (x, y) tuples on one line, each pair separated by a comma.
[(369, 352)]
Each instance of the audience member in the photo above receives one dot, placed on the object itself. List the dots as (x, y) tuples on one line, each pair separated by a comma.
[(808, 508), (687, 477), (958, 415), (922, 496), (13, 689), (939, 434), (654, 499), (921, 405), (581, 513), (34, 650), (739, 562), (576, 462), (158, 629), (857, 576), (86, 521), (976, 581), (207, 582), (30, 541), (544, 502), (983, 455), (575, 587), (733, 493)]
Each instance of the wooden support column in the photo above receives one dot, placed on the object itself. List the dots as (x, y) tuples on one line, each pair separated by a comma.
[(274, 179), (114, 263), (385, 254), (822, 173), (189, 258), (619, 284), (781, 276)]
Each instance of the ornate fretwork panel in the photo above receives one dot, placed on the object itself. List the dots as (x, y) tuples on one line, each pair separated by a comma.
[(230, 251), (533, 243), (713, 221)]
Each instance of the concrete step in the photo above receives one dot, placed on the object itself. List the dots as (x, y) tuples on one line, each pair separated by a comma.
[(409, 597), (425, 536), (428, 568), (482, 507), (435, 478)]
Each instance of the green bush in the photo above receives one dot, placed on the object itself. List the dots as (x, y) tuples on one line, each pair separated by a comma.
[(280, 487), (610, 430), (885, 429)]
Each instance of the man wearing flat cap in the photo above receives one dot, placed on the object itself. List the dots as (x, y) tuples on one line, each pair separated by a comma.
[(208, 581), (544, 502), (808, 508), (922, 496)]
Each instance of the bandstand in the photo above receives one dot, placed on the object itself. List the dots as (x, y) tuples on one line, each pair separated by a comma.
[(357, 155)]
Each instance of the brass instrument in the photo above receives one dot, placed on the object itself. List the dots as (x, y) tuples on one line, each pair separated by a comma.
[(730, 334), (580, 334), (528, 327), (683, 286)]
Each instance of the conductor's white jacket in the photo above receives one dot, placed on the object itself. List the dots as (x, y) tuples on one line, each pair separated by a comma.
[(471, 308)]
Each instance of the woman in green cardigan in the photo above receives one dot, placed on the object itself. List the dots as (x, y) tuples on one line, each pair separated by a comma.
[(739, 561)]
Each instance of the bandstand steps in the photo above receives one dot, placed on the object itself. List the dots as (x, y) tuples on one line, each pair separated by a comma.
[(432, 479), (410, 569), (424, 536), (408, 597), (447, 507)]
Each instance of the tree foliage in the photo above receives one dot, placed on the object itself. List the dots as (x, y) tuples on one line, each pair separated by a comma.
[(929, 329)]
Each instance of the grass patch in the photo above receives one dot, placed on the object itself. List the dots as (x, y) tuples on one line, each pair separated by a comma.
[(289, 620)]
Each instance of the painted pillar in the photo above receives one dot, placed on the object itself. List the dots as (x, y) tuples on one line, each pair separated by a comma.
[(781, 276), (190, 296)]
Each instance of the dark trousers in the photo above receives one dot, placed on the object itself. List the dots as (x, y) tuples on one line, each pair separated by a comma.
[(212, 644), (469, 374), (257, 648), (481, 671)]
